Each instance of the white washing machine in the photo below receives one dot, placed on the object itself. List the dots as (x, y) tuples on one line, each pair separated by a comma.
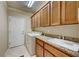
[(30, 42)]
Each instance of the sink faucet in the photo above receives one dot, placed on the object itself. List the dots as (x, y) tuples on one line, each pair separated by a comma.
[(63, 37)]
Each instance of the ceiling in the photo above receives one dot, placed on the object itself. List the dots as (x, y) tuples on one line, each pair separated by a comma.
[(22, 5)]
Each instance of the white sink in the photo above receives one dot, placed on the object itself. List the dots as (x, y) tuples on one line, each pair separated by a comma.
[(66, 44)]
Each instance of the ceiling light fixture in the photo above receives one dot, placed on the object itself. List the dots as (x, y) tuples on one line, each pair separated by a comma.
[(30, 3)]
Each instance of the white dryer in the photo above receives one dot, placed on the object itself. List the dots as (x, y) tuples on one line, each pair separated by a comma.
[(30, 42)]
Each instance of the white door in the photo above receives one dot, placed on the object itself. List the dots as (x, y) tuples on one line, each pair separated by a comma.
[(16, 31)]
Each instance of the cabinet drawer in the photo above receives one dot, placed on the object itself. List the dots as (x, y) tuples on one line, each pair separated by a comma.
[(55, 51), (47, 54), (39, 42)]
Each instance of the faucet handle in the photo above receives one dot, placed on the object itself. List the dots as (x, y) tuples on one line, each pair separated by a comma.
[(63, 37)]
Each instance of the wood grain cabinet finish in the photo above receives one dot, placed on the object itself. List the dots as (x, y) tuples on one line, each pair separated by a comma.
[(39, 51), (45, 15), (69, 12), (32, 21), (40, 42), (35, 22), (55, 51), (44, 49), (47, 54), (38, 18), (55, 13)]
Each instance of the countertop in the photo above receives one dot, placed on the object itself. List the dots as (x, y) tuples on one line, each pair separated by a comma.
[(46, 39)]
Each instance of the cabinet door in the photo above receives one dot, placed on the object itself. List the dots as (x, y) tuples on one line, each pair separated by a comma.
[(69, 12), (45, 14), (38, 19), (47, 54), (35, 20), (41, 20), (55, 13), (39, 51), (32, 22)]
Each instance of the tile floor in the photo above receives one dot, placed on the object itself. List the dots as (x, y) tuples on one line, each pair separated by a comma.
[(17, 52)]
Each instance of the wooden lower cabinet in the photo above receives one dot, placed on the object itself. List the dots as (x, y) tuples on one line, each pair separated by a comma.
[(39, 50), (47, 54), (55, 51), (39, 42), (48, 50)]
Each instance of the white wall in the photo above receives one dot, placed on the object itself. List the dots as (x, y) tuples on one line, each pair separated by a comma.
[(3, 27), (64, 30)]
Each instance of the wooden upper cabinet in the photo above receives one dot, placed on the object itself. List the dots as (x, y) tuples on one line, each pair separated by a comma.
[(38, 19), (45, 15), (78, 10), (35, 21), (69, 12), (41, 20), (32, 22), (55, 13)]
